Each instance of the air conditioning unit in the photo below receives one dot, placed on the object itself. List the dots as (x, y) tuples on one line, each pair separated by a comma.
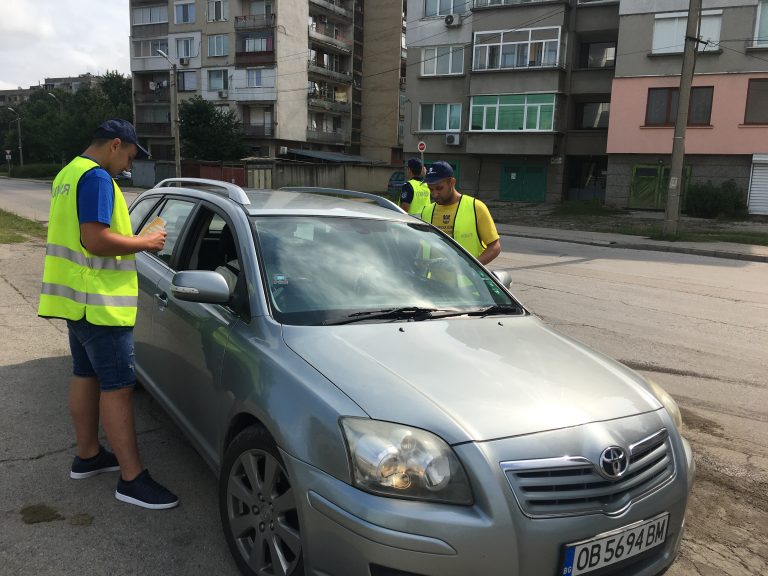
[(223, 93), (453, 139), (453, 20), (282, 150), (184, 61)]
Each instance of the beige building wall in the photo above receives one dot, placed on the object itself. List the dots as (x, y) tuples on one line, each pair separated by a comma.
[(291, 52), (381, 79)]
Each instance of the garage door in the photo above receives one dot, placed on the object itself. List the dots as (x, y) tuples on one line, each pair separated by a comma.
[(758, 185)]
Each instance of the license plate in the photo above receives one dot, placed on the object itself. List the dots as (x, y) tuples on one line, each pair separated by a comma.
[(615, 546)]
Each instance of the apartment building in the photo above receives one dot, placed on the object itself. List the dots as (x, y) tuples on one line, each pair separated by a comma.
[(292, 71), (727, 132), (515, 94)]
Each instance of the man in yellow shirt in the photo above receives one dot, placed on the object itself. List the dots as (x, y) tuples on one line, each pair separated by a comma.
[(464, 218)]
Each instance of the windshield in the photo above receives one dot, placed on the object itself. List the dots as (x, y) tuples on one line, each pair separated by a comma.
[(334, 270)]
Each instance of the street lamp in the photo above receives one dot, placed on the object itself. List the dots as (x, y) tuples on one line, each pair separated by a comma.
[(18, 122), (174, 114), (61, 113)]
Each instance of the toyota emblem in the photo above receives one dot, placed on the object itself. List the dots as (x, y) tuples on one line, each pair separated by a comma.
[(613, 462)]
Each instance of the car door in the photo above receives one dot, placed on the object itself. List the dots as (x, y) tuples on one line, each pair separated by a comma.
[(193, 336)]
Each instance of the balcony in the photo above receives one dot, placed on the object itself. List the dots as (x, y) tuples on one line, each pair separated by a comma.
[(153, 128), (149, 30), (328, 104), (336, 75), (327, 136), (497, 3), (334, 7), (256, 130), (254, 21), (159, 96), (245, 59), (330, 36)]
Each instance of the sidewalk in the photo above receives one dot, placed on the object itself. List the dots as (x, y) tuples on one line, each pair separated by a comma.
[(715, 249)]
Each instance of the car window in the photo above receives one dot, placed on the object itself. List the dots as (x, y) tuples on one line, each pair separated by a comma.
[(140, 210), (318, 269), (175, 213)]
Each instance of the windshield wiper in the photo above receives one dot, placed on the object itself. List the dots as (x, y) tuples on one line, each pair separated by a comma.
[(496, 309), (403, 313)]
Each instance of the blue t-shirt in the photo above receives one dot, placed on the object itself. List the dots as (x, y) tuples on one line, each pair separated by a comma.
[(95, 197)]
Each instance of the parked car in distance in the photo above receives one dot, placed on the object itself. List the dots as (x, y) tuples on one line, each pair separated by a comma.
[(395, 185), (374, 402)]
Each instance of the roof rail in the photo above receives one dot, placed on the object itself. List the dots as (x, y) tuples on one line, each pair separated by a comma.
[(234, 192), (379, 200)]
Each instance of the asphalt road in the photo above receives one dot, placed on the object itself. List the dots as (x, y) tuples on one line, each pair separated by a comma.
[(696, 325)]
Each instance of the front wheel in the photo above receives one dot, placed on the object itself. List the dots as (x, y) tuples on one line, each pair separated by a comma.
[(258, 507)]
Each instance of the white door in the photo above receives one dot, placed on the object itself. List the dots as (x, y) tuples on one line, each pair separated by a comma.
[(758, 186)]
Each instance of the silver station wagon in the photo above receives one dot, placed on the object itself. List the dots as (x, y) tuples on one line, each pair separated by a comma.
[(374, 402)]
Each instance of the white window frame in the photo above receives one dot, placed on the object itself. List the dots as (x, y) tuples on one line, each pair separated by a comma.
[(148, 48), (190, 8), (144, 15), (445, 7), (224, 72), (187, 43), (223, 9), (673, 39), (185, 85), (527, 110), (218, 45), (448, 107), (761, 24), (431, 59), (482, 51), (252, 74)]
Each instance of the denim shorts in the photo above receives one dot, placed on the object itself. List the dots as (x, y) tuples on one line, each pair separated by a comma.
[(102, 351)]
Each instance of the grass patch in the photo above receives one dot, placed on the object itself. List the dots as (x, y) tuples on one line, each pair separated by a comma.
[(584, 208), (15, 229)]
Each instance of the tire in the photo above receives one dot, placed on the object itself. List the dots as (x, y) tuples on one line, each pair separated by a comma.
[(258, 507)]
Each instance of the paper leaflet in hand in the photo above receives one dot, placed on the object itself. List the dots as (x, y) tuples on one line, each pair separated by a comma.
[(157, 224)]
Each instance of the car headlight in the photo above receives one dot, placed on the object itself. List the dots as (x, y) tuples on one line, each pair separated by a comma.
[(395, 460), (668, 402)]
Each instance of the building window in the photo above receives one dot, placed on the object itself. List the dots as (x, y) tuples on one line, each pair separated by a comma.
[(669, 32), (150, 15), (147, 48), (218, 10), (257, 42), (592, 115), (186, 81), (185, 13), (757, 102), (524, 48), (218, 45), (597, 55), (513, 113), (442, 60), (761, 29), (440, 117), (444, 7), (662, 106), (260, 8), (184, 47), (253, 77), (218, 80)]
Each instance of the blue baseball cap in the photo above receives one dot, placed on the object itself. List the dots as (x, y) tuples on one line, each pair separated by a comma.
[(117, 128), (440, 170)]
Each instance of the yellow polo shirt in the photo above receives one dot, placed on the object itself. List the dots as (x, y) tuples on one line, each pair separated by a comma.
[(486, 227)]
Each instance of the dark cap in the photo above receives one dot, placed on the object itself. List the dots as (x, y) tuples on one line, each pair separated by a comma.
[(117, 128), (415, 166), (440, 170)]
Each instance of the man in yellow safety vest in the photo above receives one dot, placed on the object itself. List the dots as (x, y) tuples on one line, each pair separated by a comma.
[(89, 280), (415, 194), (464, 218)]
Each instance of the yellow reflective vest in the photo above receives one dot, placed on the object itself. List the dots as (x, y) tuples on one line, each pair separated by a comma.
[(464, 225), (420, 196), (76, 283)]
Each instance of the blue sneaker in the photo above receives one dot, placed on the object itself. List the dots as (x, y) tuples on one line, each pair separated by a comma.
[(145, 492), (104, 461)]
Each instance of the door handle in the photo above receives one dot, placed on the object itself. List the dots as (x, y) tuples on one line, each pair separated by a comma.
[(162, 299)]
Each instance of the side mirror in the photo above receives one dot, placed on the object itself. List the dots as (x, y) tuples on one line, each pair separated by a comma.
[(504, 277), (200, 286)]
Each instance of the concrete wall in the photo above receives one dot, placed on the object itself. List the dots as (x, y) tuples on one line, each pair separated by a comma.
[(351, 177), (291, 51)]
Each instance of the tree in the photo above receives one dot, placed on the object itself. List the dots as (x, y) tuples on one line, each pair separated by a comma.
[(209, 133)]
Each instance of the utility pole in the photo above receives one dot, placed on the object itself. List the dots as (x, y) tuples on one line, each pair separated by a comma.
[(672, 213), (174, 115), (18, 123)]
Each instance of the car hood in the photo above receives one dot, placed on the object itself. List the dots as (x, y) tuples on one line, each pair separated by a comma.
[(472, 379)]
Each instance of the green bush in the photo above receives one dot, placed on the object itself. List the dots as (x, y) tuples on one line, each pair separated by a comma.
[(35, 171), (708, 200)]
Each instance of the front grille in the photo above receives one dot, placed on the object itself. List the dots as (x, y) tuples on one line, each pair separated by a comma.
[(570, 486)]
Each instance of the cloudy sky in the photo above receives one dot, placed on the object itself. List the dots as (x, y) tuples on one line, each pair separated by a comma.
[(53, 38)]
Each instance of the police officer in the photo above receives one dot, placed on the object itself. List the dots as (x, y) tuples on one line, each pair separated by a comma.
[(415, 194), (464, 218)]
